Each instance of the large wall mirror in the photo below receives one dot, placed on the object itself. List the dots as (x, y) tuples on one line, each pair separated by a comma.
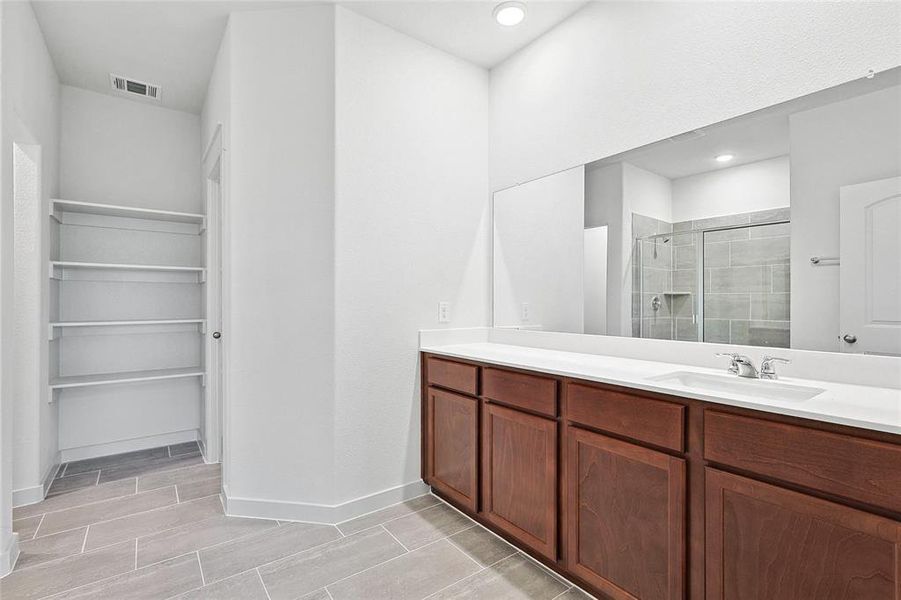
[(780, 228)]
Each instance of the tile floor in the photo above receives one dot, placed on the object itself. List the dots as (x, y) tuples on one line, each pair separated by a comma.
[(150, 525)]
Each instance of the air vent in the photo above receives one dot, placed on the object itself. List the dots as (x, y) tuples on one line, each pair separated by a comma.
[(133, 86)]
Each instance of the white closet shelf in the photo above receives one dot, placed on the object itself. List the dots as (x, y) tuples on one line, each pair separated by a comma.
[(68, 264), (110, 210), (125, 322), (74, 381)]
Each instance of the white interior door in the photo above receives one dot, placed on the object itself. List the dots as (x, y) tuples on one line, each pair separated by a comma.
[(870, 267), (213, 349)]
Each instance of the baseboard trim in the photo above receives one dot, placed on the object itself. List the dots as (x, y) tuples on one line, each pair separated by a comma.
[(36, 493), (28, 495), (142, 443), (330, 514), (9, 554)]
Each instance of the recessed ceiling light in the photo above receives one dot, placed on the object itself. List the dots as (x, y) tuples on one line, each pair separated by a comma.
[(724, 158), (509, 14)]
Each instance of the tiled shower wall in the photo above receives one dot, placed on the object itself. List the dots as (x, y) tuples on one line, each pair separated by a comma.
[(746, 280)]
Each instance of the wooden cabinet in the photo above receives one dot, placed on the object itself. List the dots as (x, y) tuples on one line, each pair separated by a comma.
[(452, 451), (643, 496), (764, 541), (626, 517), (519, 470)]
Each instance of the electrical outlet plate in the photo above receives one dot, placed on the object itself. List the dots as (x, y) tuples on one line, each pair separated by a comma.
[(525, 312), (444, 312)]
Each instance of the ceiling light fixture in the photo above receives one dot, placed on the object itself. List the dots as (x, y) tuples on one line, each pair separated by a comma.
[(724, 158), (509, 14)]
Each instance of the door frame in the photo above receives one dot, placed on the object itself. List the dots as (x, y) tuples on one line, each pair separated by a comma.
[(215, 350)]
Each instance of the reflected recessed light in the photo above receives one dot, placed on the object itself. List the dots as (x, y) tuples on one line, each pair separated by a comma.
[(724, 158), (510, 13)]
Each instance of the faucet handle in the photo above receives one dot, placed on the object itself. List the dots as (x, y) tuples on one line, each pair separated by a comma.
[(733, 366), (768, 367)]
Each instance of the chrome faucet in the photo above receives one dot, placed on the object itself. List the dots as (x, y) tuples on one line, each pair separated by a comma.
[(768, 367), (741, 365)]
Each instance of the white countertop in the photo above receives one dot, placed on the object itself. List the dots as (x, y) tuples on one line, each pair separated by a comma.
[(862, 406)]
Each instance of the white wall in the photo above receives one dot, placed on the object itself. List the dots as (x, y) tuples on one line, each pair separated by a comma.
[(281, 210), (618, 75), (647, 193), (411, 230), (538, 247), (761, 185), (595, 280), (843, 143), (116, 151), (30, 115)]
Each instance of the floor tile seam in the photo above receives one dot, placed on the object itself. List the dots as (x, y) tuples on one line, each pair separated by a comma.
[(384, 562), (42, 563), (517, 550), (372, 512), (481, 569), (198, 550), (415, 512), (111, 465), (394, 537), (84, 585), (34, 535), (266, 564), (113, 519), (470, 557), (162, 470), (263, 583), (138, 477), (49, 512)]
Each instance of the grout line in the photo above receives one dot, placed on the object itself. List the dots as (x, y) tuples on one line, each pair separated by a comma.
[(328, 593), (378, 510), (200, 566), (561, 594), (384, 562), (62, 473), (402, 545), (136, 553), (84, 542), (177, 501), (415, 512), (263, 583), (117, 518), (96, 483), (471, 575), (41, 522), (169, 451), (466, 554)]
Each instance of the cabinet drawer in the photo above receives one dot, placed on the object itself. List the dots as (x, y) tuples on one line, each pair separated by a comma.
[(855, 468), (644, 419), (529, 392), (453, 375)]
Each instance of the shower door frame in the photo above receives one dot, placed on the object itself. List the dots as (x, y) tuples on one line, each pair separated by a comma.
[(699, 261)]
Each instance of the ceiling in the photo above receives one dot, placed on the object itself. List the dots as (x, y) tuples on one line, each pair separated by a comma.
[(467, 29), (174, 43), (749, 138)]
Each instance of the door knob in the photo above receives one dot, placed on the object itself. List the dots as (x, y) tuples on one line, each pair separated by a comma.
[(217, 335), (849, 338)]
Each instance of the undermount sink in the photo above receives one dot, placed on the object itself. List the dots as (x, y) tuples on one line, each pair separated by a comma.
[(733, 384)]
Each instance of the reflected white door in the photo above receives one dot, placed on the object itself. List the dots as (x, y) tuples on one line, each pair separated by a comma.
[(870, 267)]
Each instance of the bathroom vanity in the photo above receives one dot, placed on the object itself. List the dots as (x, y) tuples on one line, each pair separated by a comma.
[(700, 492)]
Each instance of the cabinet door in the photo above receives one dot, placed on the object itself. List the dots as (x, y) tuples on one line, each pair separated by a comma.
[(767, 542), (520, 476), (453, 446), (625, 517)]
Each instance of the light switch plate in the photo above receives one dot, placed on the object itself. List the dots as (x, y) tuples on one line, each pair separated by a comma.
[(525, 312)]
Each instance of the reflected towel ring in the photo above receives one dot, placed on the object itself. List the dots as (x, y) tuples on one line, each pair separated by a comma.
[(815, 260)]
